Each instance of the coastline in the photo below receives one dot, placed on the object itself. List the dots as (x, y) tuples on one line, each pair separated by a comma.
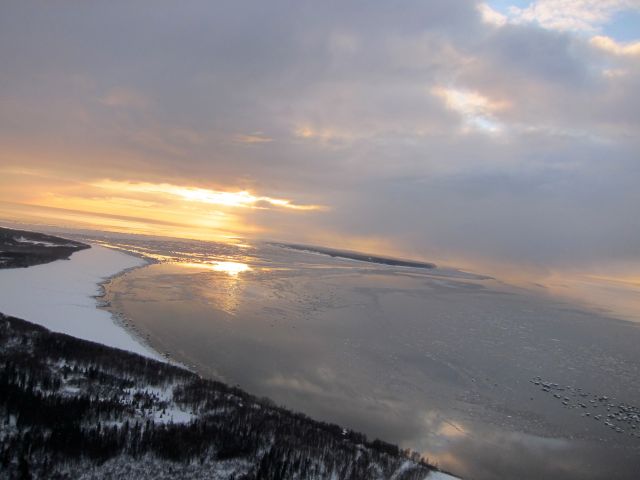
[(64, 296), (104, 303), (118, 318), (163, 352)]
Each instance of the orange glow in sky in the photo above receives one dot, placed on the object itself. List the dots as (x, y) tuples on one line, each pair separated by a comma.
[(140, 207), (202, 195)]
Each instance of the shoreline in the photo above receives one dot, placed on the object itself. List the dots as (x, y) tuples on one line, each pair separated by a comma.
[(119, 318), (104, 303), (166, 354), (127, 324), (66, 296)]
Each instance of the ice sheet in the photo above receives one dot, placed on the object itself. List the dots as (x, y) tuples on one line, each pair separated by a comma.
[(60, 296)]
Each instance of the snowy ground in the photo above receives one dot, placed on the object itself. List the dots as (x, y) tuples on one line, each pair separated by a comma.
[(60, 296), (22, 239), (440, 476)]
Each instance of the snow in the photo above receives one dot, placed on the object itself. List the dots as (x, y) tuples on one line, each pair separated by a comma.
[(407, 465), (60, 296), (440, 476), (174, 415), (150, 466), (41, 243), (163, 394), (164, 409)]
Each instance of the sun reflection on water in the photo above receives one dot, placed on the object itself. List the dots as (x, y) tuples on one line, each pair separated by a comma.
[(225, 291), (230, 268)]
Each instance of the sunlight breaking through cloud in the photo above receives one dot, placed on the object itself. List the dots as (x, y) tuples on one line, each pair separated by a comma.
[(241, 198), (477, 110)]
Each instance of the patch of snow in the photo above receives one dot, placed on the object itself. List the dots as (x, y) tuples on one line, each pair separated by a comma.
[(61, 297), (440, 476), (71, 390), (150, 466), (163, 394), (173, 415), (41, 242), (407, 465)]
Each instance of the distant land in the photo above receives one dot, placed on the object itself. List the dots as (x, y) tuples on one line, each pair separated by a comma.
[(22, 248), (351, 255)]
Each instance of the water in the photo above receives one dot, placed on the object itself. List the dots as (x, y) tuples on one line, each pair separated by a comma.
[(443, 362)]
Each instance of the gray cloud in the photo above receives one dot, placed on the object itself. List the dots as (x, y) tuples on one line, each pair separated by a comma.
[(344, 94)]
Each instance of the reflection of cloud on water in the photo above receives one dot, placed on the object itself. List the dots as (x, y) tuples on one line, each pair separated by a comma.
[(321, 390), (415, 360), (494, 454), (327, 374), (451, 430), (321, 381), (298, 385), (439, 432)]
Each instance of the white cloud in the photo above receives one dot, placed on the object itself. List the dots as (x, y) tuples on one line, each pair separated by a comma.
[(477, 109), (610, 45), (571, 15), (491, 16)]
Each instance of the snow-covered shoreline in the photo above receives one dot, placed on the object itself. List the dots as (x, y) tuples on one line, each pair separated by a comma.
[(61, 296)]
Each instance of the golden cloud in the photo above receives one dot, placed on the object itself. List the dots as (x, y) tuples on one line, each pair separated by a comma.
[(240, 198)]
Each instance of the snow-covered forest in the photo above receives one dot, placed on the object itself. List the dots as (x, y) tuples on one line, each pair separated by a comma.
[(70, 408)]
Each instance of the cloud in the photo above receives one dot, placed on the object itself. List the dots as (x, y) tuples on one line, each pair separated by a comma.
[(121, 97), (608, 44), (253, 138), (477, 110), (571, 15), (440, 129), (235, 199), (491, 16)]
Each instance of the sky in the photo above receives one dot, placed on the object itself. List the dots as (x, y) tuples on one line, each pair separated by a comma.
[(460, 131)]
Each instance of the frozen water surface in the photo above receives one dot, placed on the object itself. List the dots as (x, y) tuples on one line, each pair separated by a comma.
[(485, 379), (61, 296)]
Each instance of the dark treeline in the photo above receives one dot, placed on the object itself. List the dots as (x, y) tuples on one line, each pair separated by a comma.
[(21, 248), (361, 257), (67, 405)]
